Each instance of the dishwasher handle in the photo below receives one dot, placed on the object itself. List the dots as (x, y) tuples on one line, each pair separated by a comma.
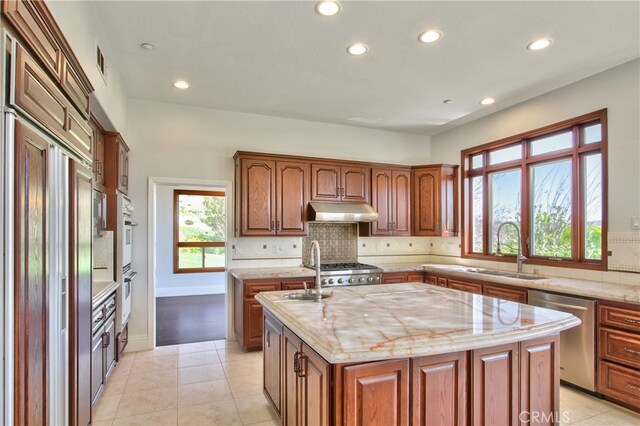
[(566, 306)]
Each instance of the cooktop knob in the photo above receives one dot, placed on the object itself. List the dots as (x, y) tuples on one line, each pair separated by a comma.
[(340, 280), (324, 281), (377, 278), (351, 280), (331, 281), (370, 279), (361, 279)]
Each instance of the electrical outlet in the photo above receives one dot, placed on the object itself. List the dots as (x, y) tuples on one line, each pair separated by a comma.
[(635, 222)]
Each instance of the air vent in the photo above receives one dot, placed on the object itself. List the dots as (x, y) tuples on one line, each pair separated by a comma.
[(100, 61)]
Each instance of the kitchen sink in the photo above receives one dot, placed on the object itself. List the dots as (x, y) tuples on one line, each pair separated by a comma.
[(504, 274), (304, 296)]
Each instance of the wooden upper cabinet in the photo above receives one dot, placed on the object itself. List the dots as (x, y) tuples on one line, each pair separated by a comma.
[(30, 24), (391, 198), (435, 194), (258, 192), (272, 196), (116, 162), (340, 182), (292, 197), (80, 134), (77, 91), (98, 154)]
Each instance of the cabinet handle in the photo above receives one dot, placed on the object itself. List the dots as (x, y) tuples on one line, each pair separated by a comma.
[(631, 351), (342, 192), (108, 338), (631, 321), (632, 386), (302, 370), (99, 320), (271, 227), (268, 338), (278, 225), (337, 191), (296, 362)]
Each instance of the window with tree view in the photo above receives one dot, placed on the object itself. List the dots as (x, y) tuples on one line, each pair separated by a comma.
[(199, 231), (551, 183)]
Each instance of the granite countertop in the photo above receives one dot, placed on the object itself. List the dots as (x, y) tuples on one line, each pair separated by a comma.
[(368, 323), (100, 290), (278, 272), (400, 267), (585, 288)]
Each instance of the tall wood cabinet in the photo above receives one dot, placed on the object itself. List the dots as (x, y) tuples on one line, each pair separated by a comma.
[(344, 182), (271, 196), (116, 156), (391, 198), (435, 195)]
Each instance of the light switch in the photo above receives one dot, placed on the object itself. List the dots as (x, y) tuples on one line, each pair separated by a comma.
[(635, 222)]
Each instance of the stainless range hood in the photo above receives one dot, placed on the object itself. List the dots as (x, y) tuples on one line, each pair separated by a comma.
[(342, 212)]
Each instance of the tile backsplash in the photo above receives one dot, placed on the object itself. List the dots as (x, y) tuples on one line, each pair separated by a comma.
[(103, 257), (338, 242), (625, 251)]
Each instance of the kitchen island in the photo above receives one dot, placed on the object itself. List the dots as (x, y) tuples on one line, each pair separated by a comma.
[(410, 353)]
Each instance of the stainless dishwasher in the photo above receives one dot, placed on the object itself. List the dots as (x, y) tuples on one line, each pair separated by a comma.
[(577, 344)]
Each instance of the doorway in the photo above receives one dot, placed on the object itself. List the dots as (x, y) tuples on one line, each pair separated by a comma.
[(189, 227)]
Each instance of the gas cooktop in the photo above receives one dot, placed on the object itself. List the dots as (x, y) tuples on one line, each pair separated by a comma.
[(346, 267)]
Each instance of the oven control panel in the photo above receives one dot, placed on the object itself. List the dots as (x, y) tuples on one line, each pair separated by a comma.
[(350, 279)]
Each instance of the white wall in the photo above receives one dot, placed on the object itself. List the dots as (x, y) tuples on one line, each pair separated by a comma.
[(617, 89), (83, 27), (169, 140), (168, 283)]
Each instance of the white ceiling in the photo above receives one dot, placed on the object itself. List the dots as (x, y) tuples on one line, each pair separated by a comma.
[(282, 59)]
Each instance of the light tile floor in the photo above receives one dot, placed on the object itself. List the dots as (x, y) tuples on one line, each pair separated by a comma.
[(215, 383)]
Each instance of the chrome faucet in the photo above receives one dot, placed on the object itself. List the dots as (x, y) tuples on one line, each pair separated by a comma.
[(316, 263), (520, 257)]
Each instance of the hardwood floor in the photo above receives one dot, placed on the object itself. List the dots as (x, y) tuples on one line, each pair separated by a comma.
[(188, 319)]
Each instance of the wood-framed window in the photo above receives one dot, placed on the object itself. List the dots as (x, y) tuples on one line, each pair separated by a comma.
[(198, 231), (552, 183)]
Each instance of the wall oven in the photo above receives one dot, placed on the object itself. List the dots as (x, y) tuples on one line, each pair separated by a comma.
[(124, 267)]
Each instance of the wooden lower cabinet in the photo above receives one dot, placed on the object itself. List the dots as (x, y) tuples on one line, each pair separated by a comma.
[(499, 385), (506, 293), (465, 286), (306, 383), (439, 387), (402, 277), (247, 312), (376, 393), (494, 381)]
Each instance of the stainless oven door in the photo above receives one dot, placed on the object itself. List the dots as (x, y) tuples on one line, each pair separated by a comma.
[(127, 239)]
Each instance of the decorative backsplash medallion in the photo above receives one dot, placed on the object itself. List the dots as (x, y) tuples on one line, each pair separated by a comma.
[(338, 242)]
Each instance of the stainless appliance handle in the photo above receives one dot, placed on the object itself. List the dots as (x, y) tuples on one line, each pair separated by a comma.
[(130, 277), (564, 305)]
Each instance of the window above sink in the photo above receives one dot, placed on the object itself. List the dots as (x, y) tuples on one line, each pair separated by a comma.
[(551, 182)]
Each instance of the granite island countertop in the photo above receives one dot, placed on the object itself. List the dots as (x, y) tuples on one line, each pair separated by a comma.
[(368, 323)]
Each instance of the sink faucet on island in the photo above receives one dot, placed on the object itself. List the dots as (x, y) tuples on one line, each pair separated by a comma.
[(409, 354)]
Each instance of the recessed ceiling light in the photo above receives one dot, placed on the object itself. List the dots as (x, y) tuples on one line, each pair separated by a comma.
[(327, 8), (147, 46), (430, 36), (487, 101), (357, 49), (181, 84), (539, 44)]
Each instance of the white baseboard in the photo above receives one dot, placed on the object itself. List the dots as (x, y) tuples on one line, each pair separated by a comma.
[(137, 343)]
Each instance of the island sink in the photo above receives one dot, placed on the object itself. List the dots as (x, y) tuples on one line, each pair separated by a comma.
[(401, 354)]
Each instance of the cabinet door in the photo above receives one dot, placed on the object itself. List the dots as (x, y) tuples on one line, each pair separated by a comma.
[(99, 156), (401, 202), (430, 279), (354, 183), (377, 393), (395, 278), (75, 88), (271, 347), (110, 343), (252, 324), (123, 168), (449, 201), (415, 277), (443, 282), (505, 293), (426, 202), (325, 182), (381, 195), (30, 282), (80, 302), (291, 413), (619, 382), (439, 388), (79, 134), (97, 365), (292, 198), (463, 286), (316, 388), (37, 94), (258, 192), (494, 385), (539, 377)]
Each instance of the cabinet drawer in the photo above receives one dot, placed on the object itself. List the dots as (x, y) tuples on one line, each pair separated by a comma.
[(250, 290), (620, 347), (80, 134), (37, 94), (468, 287), (110, 305), (97, 320), (78, 94), (511, 294), (620, 383), (620, 317), (412, 278), (298, 285)]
